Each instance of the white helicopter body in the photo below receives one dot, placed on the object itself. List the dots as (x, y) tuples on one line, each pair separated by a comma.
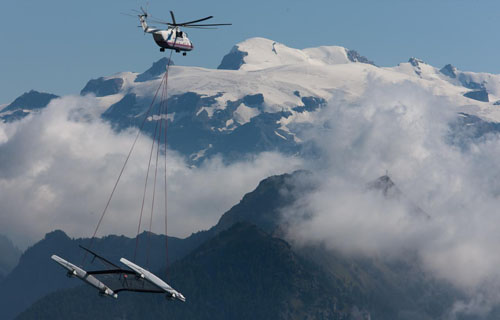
[(173, 37)]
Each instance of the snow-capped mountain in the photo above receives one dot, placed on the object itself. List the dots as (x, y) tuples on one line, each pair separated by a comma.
[(258, 54), (25, 104), (264, 93)]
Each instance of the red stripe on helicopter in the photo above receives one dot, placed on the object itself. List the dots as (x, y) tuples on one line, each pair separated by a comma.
[(175, 44)]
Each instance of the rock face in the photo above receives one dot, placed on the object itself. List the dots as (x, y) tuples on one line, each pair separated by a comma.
[(31, 101), (233, 60), (263, 205), (416, 64), (25, 104), (469, 128), (9, 256), (158, 68), (354, 56), (103, 87), (479, 95), (468, 82), (385, 185), (241, 127), (466, 79), (123, 114), (449, 71), (415, 61), (390, 191)]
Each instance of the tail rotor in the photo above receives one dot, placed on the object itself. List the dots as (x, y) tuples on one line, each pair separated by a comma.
[(143, 15)]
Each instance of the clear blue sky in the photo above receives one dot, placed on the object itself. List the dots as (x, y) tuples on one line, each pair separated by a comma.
[(58, 45)]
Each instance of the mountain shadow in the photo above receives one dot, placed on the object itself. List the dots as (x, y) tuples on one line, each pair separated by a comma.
[(37, 275), (242, 273), (237, 270)]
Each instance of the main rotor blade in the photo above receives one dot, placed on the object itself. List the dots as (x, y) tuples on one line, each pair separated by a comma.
[(194, 21), (194, 27), (140, 13), (207, 25), (158, 21), (156, 18), (128, 14), (173, 17)]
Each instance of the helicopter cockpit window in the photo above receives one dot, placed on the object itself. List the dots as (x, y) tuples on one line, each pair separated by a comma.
[(179, 34)]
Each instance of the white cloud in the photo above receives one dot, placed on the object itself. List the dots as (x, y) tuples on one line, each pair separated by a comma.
[(404, 129), (57, 169)]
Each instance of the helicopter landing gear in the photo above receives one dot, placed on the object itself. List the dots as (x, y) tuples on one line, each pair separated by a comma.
[(177, 50), (162, 49), (184, 54)]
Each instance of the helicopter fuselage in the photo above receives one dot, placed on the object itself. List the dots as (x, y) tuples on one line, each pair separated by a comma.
[(173, 39)]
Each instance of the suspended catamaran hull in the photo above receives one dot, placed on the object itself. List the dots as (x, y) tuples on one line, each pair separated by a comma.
[(154, 280), (74, 271), (111, 281)]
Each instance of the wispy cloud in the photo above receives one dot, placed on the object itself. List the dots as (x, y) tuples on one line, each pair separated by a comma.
[(58, 168), (403, 128)]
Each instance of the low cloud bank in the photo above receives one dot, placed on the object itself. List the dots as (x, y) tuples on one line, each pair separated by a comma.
[(58, 168), (405, 129)]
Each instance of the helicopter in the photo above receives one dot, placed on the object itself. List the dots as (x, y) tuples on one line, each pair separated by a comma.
[(173, 37)]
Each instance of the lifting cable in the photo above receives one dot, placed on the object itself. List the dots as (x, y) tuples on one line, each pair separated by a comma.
[(161, 115), (165, 169), (162, 106), (146, 185)]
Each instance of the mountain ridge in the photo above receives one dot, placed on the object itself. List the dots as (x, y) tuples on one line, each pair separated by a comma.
[(10, 255), (241, 273), (266, 100), (261, 209), (25, 104)]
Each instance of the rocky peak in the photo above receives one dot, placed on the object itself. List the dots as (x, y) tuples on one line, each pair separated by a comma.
[(415, 62), (386, 186), (262, 206), (354, 56), (102, 87), (56, 235), (157, 69), (449, 70), (31, 100), (233, 60)]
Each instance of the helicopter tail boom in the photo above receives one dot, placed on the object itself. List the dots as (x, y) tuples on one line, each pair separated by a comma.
[(144, 24)]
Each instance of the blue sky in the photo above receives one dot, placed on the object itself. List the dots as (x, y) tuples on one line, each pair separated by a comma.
[(58, 45)]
